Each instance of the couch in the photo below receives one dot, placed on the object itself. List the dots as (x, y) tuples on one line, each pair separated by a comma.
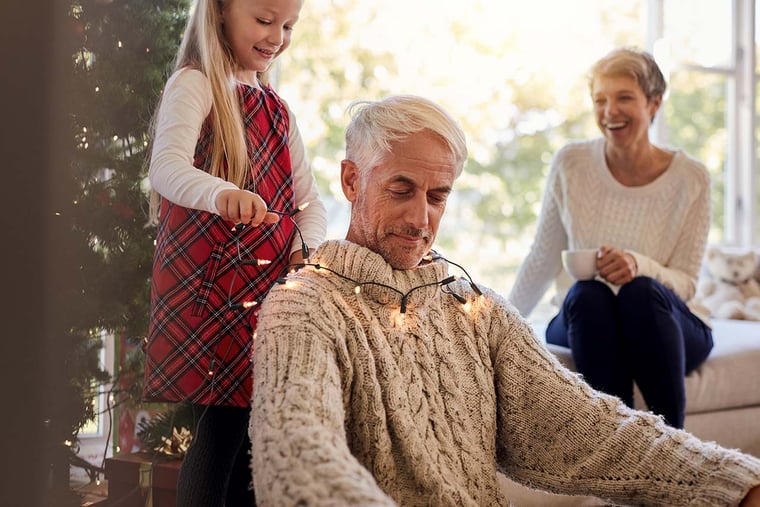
[(722, 401)]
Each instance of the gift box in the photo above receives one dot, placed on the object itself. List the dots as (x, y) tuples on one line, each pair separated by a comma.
[(142, 479)]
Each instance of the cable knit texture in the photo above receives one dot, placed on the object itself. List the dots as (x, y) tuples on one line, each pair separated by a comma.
[(664, 224), (355, 405)]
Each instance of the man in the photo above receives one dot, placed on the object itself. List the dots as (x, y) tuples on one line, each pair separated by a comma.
[(381, 380)]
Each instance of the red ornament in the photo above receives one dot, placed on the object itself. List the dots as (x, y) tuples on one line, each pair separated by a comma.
[(123, 210)]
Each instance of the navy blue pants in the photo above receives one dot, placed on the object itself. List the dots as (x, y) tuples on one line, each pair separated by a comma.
[(216, 469), (645, 334)]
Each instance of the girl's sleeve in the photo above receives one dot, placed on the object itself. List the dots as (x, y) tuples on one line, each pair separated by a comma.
[(312, 221), (185, 105)]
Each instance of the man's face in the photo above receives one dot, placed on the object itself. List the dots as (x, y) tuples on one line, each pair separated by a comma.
[(396, 206)]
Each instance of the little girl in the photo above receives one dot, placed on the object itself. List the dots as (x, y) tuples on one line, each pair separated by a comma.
[(229, 165)]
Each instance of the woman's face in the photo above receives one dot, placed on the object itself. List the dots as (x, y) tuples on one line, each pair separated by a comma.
[(258, 31), (623, 113)]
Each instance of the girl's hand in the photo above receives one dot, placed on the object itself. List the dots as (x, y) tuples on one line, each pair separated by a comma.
[(297, 257), (615, 265), (244, 207)]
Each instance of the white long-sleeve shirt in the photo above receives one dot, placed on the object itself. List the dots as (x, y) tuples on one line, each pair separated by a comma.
[(185, 105), (663, 224)]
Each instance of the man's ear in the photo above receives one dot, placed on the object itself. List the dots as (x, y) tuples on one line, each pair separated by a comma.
[(349, 179)]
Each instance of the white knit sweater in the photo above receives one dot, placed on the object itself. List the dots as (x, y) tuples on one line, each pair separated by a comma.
[(664, 224), (354, 405)]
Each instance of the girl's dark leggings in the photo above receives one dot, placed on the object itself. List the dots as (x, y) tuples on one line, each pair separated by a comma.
[(216, 469)]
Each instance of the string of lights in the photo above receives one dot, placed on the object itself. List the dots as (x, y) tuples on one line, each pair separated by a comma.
[(404, 296), (359, 284), (262, 262)]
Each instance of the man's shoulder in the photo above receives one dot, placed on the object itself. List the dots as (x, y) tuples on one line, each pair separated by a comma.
[(303, 296), (307, 281)]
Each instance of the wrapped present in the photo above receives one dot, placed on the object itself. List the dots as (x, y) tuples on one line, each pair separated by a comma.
[(142, 479)]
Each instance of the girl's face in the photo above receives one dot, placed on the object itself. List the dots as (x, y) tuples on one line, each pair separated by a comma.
[(623, 113), (257, 31)]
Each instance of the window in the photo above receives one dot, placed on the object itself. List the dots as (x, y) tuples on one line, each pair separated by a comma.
[(709, 48), (515, 77)]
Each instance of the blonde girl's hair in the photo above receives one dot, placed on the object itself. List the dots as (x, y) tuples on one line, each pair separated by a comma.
[(204, 47)]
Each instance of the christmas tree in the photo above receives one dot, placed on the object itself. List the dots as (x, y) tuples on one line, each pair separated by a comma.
[(121, 52)]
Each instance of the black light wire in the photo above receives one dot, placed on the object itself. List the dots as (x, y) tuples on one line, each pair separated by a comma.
[(432, 256)]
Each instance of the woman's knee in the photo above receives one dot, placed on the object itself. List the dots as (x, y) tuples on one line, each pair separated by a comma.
[(650, 314), (589, 293), (643, 292)]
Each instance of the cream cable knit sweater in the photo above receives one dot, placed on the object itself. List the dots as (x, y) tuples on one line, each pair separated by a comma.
[(663, 224), (353, 405)]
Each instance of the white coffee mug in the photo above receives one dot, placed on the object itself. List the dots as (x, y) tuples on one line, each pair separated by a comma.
[(580, 264)]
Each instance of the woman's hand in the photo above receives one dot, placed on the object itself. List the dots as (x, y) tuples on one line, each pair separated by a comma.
[(615, 265), (244, 207)]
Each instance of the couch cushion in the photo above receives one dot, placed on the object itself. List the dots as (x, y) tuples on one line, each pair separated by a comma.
[(730, 378)]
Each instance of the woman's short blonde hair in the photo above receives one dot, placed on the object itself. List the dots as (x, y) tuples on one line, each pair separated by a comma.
[(633, 63)]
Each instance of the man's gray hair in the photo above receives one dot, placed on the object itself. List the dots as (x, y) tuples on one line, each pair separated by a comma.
[(376, 124)]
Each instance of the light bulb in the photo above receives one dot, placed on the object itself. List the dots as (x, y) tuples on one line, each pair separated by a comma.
[(398, 318)]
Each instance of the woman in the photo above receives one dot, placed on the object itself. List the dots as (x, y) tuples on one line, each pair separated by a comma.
[(647, 211)]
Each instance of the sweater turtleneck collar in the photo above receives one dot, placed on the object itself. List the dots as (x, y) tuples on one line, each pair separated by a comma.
[(362, 265)]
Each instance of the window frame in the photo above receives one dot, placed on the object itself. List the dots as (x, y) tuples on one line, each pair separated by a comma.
[(741, 195)]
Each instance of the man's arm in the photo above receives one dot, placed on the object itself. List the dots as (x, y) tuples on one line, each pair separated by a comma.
[(300, 453), (556, 433)]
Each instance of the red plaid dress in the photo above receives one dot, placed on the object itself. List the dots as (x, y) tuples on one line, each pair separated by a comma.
[(199, 347)]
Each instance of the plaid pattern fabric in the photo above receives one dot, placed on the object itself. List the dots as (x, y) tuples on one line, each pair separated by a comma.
[(198, 347)]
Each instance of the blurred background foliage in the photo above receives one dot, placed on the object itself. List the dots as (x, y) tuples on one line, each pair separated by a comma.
[(514, 77)]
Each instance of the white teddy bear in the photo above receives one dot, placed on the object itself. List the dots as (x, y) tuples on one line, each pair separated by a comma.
[(730, 289)]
